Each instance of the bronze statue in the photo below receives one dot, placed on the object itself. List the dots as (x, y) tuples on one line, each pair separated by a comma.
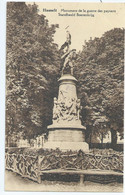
[(68, 59), (69, 56)]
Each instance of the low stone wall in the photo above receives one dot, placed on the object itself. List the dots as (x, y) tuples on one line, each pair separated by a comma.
[(30, 166)]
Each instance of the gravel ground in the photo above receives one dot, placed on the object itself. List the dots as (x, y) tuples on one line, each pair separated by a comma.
[(14, 182)]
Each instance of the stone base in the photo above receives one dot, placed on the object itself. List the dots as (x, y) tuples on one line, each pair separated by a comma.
[(66, 135), (65, 139), (65, 146)]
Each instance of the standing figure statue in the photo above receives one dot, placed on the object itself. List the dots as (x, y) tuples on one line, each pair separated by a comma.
[(68, 56), (55, 109), (78, 108), (68, 59)]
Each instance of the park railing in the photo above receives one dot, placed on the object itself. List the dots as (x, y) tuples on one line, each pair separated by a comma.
[(25, 165), (32, 166)]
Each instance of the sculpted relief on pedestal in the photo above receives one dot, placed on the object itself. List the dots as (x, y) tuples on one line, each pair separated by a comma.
[(66, 109)]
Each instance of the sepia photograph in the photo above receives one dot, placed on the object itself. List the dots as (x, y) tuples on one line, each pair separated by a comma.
[(64, 110)]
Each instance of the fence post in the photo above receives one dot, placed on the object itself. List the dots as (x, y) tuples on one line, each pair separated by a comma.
[(38, 172), (81, 178)]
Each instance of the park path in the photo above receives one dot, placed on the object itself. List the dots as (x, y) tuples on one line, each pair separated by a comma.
[(15, 182)]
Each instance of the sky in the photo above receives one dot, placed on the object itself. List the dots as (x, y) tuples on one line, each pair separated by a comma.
[(83, 27)]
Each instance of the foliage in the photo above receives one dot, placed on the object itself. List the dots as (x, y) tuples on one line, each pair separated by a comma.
[(100, 69), (31, 70), (41, 151)]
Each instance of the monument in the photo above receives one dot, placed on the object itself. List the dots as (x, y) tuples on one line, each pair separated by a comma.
[(66, 131)]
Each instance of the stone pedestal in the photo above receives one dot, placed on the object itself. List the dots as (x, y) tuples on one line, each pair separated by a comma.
[(66, 132)]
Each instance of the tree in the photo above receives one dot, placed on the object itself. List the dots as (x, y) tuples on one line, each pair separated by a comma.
[(99, 69), (31, 70)]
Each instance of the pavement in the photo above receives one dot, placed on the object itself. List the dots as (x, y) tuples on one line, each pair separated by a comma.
[(14, 182)]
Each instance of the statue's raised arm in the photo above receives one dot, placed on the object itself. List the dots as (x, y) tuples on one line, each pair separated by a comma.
[(67, 42), (68, 56)]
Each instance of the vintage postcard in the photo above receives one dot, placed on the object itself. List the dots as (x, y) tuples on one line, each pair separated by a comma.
[(64, 96)]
